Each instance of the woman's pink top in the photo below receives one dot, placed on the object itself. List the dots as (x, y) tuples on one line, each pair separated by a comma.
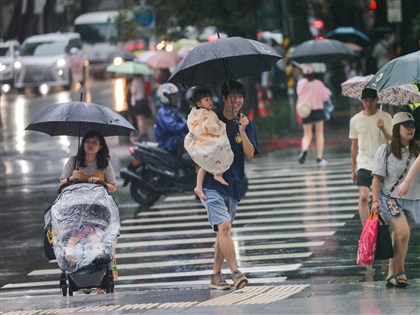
[(313, 92)]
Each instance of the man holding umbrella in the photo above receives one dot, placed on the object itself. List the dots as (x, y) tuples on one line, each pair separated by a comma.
[(222, 200), (368, 130)]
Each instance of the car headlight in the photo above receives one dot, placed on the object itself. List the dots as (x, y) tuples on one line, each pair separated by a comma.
[(17, 65), (61, 62), (2, 67)]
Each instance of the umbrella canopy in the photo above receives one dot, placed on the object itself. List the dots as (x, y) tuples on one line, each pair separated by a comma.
[(159, 59), (401, 70), (400, 95), (324, 50), (224, 60), (348, 34), (77, 118), (130, 67)]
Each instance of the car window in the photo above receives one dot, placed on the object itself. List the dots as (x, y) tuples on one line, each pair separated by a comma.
[(4, 51), (43, 48)]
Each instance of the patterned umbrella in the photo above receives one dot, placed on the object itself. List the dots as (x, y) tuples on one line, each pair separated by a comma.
[(399, 95)]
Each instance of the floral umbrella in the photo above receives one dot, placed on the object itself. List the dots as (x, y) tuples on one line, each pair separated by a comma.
[(399, 95)]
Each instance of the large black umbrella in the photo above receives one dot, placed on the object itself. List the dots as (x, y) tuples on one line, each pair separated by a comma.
[(224, 60), (324, 50), (399, 71), (77, 118)]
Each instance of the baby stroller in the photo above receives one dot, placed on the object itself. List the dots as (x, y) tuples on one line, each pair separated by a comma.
[(85, 224)]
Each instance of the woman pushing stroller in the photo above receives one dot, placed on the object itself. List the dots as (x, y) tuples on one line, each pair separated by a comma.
[(91, 163), (85, 217)]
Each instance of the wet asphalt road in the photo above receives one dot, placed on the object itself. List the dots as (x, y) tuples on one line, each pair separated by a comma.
[(31, 164)]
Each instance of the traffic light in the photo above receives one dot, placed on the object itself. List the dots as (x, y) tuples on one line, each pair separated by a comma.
[(316, 27), (373, 5)]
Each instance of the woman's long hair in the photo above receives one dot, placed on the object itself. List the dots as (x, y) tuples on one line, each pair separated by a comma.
[(396, 145), (102, 157)]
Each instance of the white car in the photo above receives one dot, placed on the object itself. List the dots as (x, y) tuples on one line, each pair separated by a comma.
[(55, 59), (9, 51)]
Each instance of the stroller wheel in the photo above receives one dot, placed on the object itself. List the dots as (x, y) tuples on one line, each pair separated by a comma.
[(64, 289), (87, 291)]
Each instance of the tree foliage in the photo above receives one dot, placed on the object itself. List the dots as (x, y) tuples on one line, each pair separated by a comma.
[(234, 17)]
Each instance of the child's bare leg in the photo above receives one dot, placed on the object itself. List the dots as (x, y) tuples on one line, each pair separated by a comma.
[(220, 179), (199, 186)]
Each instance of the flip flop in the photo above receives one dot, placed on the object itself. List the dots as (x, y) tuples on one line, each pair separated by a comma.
[(401, 283), (391, 281)]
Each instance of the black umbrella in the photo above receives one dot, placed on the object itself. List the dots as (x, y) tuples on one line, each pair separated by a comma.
[(324, 50), (224, 60), (77, 118)]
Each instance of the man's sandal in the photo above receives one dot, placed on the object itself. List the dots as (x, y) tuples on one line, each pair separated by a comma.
[(402, 282)]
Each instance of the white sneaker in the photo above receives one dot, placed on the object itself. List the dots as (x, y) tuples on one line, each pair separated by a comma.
[(322, 163)]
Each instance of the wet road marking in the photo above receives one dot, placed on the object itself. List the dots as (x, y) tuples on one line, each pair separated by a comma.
[(208, 272), (255, 295), (248, 295), (287, 219), (238, 229)]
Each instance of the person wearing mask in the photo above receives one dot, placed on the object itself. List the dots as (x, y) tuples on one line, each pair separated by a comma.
[(170, 127), (392, 163), (313, 91)]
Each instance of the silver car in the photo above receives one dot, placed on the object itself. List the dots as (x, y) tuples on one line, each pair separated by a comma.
[(55, 59), (9, 51)]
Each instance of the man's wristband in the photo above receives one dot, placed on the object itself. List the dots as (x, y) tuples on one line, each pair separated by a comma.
[(375, 201)]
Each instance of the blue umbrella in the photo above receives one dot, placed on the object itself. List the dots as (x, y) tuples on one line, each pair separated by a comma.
[(348, 34)]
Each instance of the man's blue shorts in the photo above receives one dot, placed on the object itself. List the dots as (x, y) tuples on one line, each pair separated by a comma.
[(220, 208)]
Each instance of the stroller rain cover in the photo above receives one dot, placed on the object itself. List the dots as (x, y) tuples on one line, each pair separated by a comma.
[(85, 225)]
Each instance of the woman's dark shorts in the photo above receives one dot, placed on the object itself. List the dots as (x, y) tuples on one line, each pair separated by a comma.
[(142, 108), (315, 115), (364, 178)]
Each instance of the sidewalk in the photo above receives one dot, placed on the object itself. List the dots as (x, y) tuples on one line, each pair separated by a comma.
[(335, 134), (288, 298)]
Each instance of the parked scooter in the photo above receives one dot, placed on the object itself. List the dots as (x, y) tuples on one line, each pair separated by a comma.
[(154, 172)]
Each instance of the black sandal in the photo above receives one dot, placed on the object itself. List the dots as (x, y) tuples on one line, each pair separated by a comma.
[(391, 281), (401, 283)]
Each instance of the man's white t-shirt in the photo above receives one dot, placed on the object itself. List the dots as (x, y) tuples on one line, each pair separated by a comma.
[(369, 136)]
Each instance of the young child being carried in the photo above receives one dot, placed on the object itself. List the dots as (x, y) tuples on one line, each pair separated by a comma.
[(207, 142)]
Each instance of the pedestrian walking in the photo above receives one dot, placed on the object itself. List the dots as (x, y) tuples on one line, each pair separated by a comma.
[(140, 103), (312, 91), (392, 162), (368, 130), (222, 200), (207, 142)]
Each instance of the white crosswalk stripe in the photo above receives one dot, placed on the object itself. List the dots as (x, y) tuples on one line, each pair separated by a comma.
[(289, 212)]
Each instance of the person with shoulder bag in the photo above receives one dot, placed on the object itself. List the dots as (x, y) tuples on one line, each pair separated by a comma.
[(391, 165), (311, 96)]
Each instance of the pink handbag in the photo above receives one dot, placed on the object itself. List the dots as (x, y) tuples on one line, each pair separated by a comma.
[(367, 242)]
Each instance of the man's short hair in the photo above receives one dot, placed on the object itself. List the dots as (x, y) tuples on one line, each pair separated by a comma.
[(369, 93), (234, 87)]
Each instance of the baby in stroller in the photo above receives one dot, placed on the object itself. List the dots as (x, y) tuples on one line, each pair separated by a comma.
[(85, 226)]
